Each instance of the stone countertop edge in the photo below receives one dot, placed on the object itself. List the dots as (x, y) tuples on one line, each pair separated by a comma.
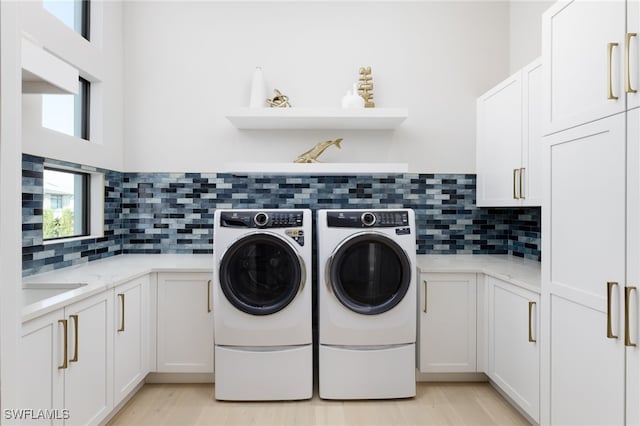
[(105, 274), (524, 273)]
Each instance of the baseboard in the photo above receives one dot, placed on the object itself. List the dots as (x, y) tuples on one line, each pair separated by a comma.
[(451, 377), (180, 378)]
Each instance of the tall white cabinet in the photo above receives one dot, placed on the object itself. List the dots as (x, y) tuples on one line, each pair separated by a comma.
[(508, 150), (590, 249)]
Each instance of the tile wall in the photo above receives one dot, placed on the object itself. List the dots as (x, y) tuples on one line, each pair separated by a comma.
[(173, 212)]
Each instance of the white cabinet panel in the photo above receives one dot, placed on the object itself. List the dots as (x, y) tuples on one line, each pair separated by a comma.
[(131, 336), (514, 358), (576, 35), (88, 390), (185, 323), (447, 323), (41, 379)]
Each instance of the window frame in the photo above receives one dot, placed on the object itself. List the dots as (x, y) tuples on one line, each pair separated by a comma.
[(85, 107), (86, 204)]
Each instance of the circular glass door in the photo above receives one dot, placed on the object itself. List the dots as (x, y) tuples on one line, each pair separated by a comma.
[(261, 274), (370, 274)]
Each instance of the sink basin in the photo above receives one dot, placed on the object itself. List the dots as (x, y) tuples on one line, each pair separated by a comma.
[(35, 292)]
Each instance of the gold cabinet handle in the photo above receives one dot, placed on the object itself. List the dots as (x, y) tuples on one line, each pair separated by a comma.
[(515, 173), (65, 343), (627, 64), (610, 94), (75, 338), (610, 285), (627, 332), (531, 339), (522, 169), (121, 297), (425, 296), (208, 296)]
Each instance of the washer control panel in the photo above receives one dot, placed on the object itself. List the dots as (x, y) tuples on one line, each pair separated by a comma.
[(261, 219), (368, 219)]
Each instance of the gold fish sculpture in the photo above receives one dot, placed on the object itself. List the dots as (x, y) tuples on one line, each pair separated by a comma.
[(311, 156)]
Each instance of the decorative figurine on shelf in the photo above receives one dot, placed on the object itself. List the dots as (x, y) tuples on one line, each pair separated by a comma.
[(279, 100), (311, 156), (365, 87), (352, 100)]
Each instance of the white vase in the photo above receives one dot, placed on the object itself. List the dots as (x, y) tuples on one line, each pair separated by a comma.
[(352, 100), (258, 90)]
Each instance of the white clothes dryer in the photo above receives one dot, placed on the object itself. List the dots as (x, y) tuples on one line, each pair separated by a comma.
[(367, 303), (262, 304)]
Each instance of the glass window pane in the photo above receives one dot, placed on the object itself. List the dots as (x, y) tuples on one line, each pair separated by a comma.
[(73, 13), (64, 204), (68, 114)]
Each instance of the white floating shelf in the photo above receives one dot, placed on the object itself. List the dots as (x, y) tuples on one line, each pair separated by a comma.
[(318, 118), (318, 168), (44, 73)]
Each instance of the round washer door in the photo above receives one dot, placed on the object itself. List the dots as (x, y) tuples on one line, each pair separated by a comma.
[(260, 274), (370, 273)]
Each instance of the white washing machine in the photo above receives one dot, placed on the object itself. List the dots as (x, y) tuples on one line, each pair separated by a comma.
[(262, 305), (366, 303)]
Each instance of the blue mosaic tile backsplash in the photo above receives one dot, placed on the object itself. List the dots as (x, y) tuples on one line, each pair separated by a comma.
[(173, 212)]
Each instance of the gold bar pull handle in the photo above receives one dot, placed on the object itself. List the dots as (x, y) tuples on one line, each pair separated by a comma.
[(515, 174), (75, 338), (522, 170), (425, 296), (610, 285), (627, 62), (627, 331), (531, 338), (121, 297), (610, 94), (209, 296), (65, 343)]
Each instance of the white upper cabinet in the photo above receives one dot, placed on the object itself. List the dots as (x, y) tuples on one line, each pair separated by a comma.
[(583, 48), (508, 151)]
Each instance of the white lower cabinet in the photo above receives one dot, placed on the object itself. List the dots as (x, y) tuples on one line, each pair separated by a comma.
[(67, 365), (514, 353), (447, 323), (131, 336), (185, 323)]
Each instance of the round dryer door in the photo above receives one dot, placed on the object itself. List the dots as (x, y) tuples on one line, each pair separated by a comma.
[(261, 274), (370, 273)]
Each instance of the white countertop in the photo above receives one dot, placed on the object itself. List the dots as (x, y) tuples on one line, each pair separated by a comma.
[(107, 273), (521, 272)]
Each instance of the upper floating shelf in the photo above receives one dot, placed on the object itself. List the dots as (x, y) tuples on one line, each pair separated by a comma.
[(318, 118)]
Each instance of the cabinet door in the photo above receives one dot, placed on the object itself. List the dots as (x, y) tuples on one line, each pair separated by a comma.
[(42, 365), (131, 334), (514, 359), (575, 39), (185, 323), (584, 228), (631, 73), (447, 324), (633, 265), (498, 144), (88, 390), (531, 171)]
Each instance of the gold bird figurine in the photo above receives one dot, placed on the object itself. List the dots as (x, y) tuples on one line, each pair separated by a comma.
[(311, 156)]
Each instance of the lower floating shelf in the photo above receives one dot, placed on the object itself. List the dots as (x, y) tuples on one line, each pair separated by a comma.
[(318, 168)]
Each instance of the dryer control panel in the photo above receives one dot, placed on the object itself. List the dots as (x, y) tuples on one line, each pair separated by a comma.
[(261, 219), (367, 219)]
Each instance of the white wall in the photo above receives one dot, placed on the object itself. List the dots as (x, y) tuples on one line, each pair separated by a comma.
[(189, 63), (99, 61), (525, 22)]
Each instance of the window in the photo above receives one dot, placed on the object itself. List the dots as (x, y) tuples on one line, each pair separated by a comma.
[(73, 13), (68, 114), (65, 204)]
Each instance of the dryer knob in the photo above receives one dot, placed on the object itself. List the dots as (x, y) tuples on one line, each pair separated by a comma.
[(368, 219), (261, 219)]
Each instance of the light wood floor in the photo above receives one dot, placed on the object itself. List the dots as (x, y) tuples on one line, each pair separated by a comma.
[(434, 404)]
